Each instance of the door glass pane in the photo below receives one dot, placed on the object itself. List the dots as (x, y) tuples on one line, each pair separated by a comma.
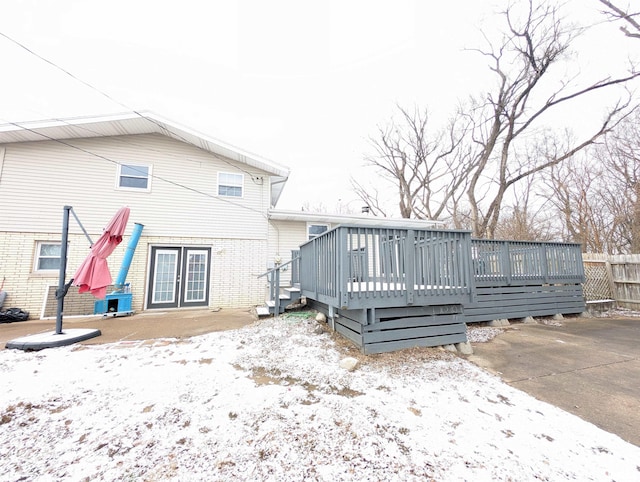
[(196, 276), (164, 283)]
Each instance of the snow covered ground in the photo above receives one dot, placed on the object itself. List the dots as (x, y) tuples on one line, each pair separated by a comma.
[(270, 402)]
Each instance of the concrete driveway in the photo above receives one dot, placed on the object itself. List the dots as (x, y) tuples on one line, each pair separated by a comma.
[(588, 366)]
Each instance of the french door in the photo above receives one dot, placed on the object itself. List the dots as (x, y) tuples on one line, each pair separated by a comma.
[(179, 277)]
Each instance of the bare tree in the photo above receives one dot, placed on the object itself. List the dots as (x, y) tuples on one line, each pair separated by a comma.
[(598, 196), (428, 170), (509, 148), (469, 172), (575, 196), (631, 27), (620, 158), (525, 219), (371, 197)]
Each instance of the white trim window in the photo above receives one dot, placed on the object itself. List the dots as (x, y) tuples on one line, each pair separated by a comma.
[(134, 177), (230, 184), (47, 257), (314, 230)]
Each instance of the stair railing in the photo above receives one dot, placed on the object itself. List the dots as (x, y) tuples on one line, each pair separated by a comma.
[(273, 278)]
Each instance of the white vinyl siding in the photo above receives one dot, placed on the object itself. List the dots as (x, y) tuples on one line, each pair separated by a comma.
[(47, 256), (230, 184), (134, 176), (40, 178), (285, 236)]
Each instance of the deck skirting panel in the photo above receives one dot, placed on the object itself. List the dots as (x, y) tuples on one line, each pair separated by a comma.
[(522, 301), (393, 345), (384, 333)]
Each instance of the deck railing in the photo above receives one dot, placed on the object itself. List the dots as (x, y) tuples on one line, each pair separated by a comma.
[(295, 267), (355, 266), (525, 263), (273, 278)]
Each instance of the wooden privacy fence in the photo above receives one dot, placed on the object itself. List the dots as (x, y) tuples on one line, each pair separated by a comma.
[(613, 277)]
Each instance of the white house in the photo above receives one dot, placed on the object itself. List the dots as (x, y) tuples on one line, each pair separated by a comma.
[(208, 210), (204, 206)]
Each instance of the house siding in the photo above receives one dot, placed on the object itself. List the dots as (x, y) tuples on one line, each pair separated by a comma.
[(182, 209), (39, 178), (285, 236)]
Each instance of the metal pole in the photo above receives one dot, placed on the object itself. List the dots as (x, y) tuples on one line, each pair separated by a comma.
[(60, 292), (82, 227)]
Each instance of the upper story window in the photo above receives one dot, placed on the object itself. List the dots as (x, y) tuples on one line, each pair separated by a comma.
[(314, 230), (134, 177), (230, 184), (47, 256)]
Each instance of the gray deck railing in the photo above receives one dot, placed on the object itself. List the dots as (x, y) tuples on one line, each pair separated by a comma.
[(295, 267), (354, 267), (525, 263), (273, 278)]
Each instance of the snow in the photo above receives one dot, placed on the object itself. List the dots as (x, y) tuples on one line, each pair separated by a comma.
[(270, 402), (621, 312)]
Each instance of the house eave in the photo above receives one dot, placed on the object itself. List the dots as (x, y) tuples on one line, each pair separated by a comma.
[(132, 123), (351, 219)]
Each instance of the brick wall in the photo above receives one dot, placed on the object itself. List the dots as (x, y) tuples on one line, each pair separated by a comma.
[(74, 303), (235, 265)]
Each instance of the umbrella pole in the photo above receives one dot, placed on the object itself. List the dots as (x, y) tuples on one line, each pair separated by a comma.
[(61, 291)]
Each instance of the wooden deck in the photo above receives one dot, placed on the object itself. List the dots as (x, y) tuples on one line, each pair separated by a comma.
[(387, 289)]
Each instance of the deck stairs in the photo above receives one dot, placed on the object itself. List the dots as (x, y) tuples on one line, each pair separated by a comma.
[(288, 295), (285, 294)]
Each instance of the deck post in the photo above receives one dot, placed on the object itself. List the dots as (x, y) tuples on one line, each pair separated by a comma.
[(331, 317), (371, 316), (343, 267), (506, 262), (314, 270), (468, 267), (276, 292), (410, 264), (545, 263)]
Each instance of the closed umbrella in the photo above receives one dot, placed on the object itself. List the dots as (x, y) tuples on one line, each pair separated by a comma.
[(93, 274)]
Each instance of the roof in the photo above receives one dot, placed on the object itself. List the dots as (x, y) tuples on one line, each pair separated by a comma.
[(139, 123), (352, 219)]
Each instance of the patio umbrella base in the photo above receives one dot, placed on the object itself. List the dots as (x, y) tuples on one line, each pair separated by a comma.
[(51, 339)]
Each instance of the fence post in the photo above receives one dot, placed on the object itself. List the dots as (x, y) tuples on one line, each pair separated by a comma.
[(612, 284)]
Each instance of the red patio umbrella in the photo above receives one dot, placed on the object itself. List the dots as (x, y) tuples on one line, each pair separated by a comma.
[(93, 274)]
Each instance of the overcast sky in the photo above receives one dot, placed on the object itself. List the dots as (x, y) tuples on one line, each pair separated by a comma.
[(301, 83)]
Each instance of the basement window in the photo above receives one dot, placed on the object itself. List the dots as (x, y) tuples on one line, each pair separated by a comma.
[(135, 177), (47, 256), (230, 184)]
